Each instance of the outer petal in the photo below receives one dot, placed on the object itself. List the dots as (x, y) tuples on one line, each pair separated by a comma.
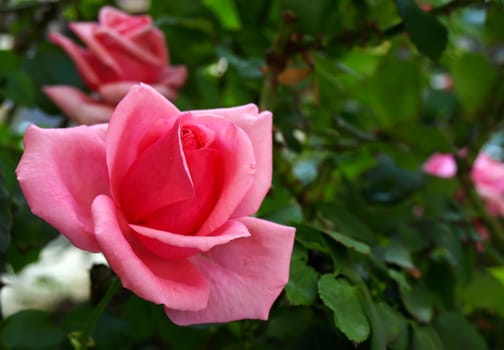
[(130, 125), (61, 172), (246, 275), (173, 245), (114, 92), (441, 165), (112, 17), (173, 79), (78, 106), (176, 284), (121, 21), (78, 56), (258, 127)]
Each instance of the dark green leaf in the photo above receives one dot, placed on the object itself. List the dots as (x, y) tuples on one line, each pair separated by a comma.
[(30, 329), (473, 78), (349, 242), (457, 333), (226, 12), (483, 292), (389, 183), (426, 32), (343, 300), (426, 338), (397, 254), (394, 91), (396, 326), (303, 279), (418, 302)]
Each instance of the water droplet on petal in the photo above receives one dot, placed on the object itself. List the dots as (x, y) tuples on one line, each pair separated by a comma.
[(252, 168)]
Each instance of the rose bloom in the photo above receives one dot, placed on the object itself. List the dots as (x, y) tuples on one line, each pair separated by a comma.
[(486, 173), (122, 50), (488, 176), (167, 196), (440, 165)]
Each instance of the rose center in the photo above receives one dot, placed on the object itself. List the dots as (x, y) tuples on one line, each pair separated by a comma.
[(189, 139)]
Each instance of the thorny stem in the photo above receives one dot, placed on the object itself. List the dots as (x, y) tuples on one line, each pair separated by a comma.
[(276, 59)]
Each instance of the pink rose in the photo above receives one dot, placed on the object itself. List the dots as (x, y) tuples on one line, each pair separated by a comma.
[(440, 165), (122, 50), (488, 177), (166, 197)]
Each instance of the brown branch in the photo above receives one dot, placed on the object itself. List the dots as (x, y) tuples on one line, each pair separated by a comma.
[(372, 34)]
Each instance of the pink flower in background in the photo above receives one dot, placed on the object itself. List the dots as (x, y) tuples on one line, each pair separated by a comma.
[(441, 165), (122, 50), (167, 196), (488, 176), (486, 173)]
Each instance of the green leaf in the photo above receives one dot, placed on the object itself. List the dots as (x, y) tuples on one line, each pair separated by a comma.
[(5, 218), (396, 326), (426, 338), (8, 62), (397, 254), (473, 79), (226, 12), (483, 292), (349, 242), (427, 34), (30, 329), (348, 224), (498, 273), (302, 286), (389, 183), (378, 339), (394, 91), (311, 238), (343, 300), (457, 333), (312, 17), (418, 302), (18, 87)]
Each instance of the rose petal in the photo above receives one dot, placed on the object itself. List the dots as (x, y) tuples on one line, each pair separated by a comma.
[(187, 217), (127, 59), (119, 44), (61, 172), (130, 123), (440, 165), (176, 284), (258, 127), (173, 79), (175, 246), (158, 177), (123, 22), (114, 92), (85, 64), (246, 275), (77, 105)]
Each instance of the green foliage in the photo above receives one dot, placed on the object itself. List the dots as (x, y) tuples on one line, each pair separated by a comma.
[(427, 33), (42, 333), (362, 92), (343, 300)]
